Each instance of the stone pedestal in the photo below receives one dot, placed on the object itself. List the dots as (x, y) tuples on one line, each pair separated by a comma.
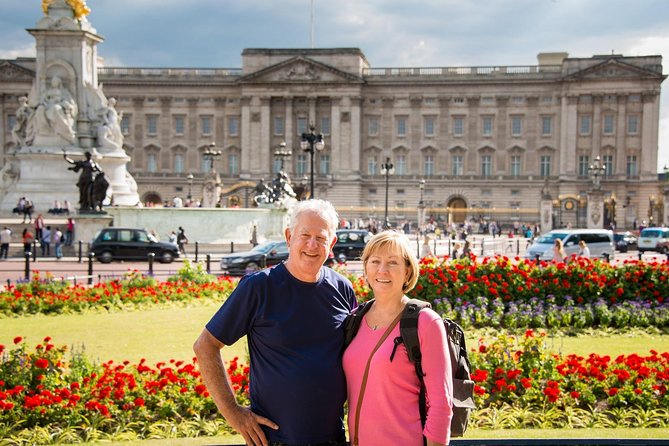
[(211, 191), (43, 178), (122, 186), (595, 216), (546, 215)]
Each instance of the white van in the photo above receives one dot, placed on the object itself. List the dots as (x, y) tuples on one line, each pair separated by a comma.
[(650, 237), (599, 241)]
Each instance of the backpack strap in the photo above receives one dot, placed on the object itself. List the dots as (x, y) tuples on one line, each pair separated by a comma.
[(409, 336), (352, 322)]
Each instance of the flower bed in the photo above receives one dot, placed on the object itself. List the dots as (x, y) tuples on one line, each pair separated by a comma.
[(44, 396), (501, 292), (43, 295)]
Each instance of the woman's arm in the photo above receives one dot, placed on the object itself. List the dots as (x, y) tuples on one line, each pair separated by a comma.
[(438, 377)]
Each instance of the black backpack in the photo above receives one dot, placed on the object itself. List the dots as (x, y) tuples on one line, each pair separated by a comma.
[(463, 386)]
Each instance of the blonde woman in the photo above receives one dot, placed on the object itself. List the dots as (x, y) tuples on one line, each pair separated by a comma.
[(559, 254), (382, 387), (583, 250)]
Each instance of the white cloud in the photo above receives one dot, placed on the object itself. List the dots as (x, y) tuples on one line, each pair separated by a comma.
[(13, 53)]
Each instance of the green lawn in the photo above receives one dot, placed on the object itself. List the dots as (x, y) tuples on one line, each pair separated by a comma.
[(158, 334), (168, 333)]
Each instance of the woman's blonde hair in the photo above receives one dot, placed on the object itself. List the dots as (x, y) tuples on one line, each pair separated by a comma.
[(394, 241)]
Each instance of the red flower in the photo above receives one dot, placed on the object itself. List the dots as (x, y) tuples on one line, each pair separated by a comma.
[(613, 391), (42, 363), (139, 402), (18, 339)]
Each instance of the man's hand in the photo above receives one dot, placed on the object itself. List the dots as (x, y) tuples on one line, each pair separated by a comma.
[(248, 424)]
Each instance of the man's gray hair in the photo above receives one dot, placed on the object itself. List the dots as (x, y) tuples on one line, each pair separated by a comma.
[(322, 208)]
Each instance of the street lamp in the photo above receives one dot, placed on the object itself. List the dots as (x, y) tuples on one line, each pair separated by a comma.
[(421, 207), (210, 154), (310, 143), (387, 169), (281, 153), (190, 185), (596, 171)]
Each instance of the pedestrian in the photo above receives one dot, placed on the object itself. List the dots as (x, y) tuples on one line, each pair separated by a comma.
[(27, 238), (456, 251), (182, 240), (57, 240), (39, 226), (292, 316), (45, 242), (172, 238), (558, 251), (28, 211), (583, 250), (425, 249), (5, 240), (69, 232), (466, 250), (254, 236), (383, 399)]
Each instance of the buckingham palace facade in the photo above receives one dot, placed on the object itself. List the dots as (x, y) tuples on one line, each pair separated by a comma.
[(488, 141)]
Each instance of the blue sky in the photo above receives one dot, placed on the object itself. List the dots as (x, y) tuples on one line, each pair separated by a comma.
[(396, 33)]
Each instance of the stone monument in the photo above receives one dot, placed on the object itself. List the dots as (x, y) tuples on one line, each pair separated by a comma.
[(66, 113)]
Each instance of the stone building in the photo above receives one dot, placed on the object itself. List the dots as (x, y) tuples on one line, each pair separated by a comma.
[(489, 142)]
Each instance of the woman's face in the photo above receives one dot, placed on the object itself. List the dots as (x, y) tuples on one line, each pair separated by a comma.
[(386, 272)]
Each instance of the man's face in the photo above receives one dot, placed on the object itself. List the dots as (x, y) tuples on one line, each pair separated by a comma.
[(309, 244)]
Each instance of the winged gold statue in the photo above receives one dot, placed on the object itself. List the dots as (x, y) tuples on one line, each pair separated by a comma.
[(78, 6)]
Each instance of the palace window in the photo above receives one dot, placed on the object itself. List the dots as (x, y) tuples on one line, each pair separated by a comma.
[(515, 165), (632, 124), (400, 165), (152, 124), (205, 125), (457, 166), (373, 126), (233, 164), (279, 128), (233, 126), (486, 165), (583, 165), (632, 171), (585, 125), (458, 126), (608, 125), (545, 166), (516, 125), (400, 126)]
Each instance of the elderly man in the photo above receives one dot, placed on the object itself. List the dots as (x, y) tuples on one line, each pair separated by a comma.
[(292, 316)]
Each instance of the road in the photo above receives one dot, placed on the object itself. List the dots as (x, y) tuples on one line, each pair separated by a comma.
[(70, 268)]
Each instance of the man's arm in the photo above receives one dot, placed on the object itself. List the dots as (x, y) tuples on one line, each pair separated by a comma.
[(208, 352)]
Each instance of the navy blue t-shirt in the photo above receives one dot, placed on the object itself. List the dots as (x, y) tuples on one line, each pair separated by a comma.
[(295, 342)]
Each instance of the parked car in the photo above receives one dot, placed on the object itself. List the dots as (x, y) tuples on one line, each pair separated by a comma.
[(240, 263), (600, 243), (625, 241), (652, 239), (130, 244), (350, 243)]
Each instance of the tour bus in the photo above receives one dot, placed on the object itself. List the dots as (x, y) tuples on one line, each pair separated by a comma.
[(599, 241)]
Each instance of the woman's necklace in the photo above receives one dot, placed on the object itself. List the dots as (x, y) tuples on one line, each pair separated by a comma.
[(382, 322)]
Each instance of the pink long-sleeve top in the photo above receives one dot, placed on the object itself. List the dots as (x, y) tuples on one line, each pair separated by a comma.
[(389, 413)]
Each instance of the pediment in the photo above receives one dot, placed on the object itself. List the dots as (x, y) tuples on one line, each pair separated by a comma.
[(300, 70), (613, 69), (11, 71)]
